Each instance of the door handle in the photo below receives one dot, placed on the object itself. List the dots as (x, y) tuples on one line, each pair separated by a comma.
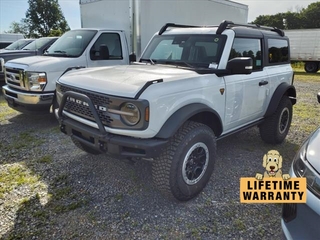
[(264, 82)]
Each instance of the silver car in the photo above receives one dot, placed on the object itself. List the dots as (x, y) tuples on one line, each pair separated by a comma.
[(302, 221)]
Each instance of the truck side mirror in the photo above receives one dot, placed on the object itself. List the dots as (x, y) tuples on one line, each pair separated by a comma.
[(104, 52), (240, 65), (132, 57), (318, 96)]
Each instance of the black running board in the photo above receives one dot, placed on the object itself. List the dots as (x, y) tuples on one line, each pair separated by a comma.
[(240, 129)]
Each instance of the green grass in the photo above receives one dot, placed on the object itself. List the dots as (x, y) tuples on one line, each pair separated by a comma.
[(5, 112), (45, 159), (306, 113), (301, 75), (15, 175)]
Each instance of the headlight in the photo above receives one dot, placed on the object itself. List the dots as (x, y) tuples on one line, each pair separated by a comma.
[(302, 168), (36, 81), (130, 113)]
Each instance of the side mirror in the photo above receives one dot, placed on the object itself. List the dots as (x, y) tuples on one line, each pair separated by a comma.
[(104, 52), (240, 65), (132, 57), (318, 96)]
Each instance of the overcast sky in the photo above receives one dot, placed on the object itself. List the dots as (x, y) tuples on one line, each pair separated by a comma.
[(14, 10)]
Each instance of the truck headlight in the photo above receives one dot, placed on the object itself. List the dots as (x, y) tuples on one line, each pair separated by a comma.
[(36, 80), (302, 168), (130, 113)]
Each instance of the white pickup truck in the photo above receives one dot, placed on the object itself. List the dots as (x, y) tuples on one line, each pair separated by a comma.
[(192, 86), (31, 80)]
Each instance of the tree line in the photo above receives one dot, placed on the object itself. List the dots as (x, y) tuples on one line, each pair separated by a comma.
[(304, 18), (43, 18)]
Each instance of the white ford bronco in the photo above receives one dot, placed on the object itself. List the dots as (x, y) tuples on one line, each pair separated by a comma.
[(192, 86)]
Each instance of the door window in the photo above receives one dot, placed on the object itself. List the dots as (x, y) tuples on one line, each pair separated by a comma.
[(109, 43), (247, 47)]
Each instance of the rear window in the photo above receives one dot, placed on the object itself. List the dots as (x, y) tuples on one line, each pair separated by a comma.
[(278, 50)]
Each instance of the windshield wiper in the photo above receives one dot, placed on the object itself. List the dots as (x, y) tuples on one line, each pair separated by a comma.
[(177, 63), (59, 51), (150, 60)]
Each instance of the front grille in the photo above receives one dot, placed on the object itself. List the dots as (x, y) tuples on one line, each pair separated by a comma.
[(100, 101), (14, 78), (289, 211)]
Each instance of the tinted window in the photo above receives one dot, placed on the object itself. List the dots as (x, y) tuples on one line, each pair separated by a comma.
[(278, 50), (4, 44), (113, 44), (246, 47)]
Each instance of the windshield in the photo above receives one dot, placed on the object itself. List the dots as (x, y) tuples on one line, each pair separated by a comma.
[(72, 43), (36, 44), (189, 50), (17, 45)]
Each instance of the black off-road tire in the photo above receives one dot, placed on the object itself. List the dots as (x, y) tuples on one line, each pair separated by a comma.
[(311, 67), (185, 166), (276, 127), (84, 147)]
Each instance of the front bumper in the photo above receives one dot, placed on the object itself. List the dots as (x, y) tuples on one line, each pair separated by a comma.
[(301, 221), (103, 141), (28, 102)]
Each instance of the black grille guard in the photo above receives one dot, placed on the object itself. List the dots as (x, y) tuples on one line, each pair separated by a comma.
[(86, 99)]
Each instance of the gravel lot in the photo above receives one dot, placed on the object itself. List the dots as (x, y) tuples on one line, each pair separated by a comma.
[(56, 191)]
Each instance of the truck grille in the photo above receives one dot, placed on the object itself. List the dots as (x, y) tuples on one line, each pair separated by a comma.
[(100, 101), (1, 65), (14, 78)]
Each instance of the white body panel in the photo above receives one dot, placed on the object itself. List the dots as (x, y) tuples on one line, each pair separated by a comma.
[(304, 44)]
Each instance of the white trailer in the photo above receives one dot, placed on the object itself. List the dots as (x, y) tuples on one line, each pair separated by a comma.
[(305, 47), (8, 38), (141, 18)]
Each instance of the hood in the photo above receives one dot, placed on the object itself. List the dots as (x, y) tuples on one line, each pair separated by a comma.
[(17, 53), (313, 153), (44, 63), (125, 80)]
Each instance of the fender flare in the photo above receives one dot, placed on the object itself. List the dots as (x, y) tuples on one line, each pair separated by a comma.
[(177, 119), (282, 89)]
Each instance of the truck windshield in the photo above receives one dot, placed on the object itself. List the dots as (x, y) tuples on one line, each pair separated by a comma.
[(19, 44), (37, 44), (71, 44), (189, 50)]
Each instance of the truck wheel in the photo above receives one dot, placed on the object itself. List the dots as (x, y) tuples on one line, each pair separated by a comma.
[(276, 127), (185, 166), (311, 67), (84, 147)]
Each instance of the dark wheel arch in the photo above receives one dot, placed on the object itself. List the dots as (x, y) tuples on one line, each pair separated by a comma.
[(282, 89), (197, 112)]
